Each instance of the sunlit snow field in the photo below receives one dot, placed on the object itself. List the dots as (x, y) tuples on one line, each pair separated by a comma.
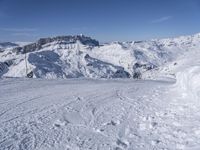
[(97, 114), (161, 111)]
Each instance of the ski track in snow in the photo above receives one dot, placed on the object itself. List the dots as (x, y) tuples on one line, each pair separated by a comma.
[(82, 114)]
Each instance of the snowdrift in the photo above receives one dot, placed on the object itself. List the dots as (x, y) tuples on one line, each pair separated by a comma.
[(188, 81)]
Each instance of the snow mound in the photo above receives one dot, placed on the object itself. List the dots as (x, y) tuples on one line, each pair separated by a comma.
[(188, 81)]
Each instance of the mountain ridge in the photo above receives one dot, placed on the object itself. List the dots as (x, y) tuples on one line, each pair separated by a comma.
[(81, 56)]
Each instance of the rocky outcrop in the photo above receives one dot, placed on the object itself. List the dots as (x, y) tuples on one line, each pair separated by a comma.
[(104, 69), (65, 39)]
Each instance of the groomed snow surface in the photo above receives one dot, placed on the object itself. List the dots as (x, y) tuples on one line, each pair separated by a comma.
[(83, 114)]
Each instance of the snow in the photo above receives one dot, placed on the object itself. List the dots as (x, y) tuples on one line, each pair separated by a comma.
[(96, 114), (85, 112), (132, 59), (22, 43)]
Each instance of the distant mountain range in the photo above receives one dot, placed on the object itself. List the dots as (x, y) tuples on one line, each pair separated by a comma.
[(7, 45), (81, 56)]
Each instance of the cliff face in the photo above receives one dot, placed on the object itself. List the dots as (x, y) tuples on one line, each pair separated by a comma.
[(60, 39)]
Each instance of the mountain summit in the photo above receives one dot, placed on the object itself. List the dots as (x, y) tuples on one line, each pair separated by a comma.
[(81, 56)]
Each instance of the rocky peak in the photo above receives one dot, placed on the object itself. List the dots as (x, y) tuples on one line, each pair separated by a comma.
[(67, 39)]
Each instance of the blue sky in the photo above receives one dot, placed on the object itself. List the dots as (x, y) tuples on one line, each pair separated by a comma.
[(105, 20)]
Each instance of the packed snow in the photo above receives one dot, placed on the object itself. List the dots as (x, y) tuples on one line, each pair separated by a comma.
[(159, 113), (97, 114)]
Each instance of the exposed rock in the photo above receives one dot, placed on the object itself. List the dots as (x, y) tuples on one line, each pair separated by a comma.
[(67, 39), (105, 70)]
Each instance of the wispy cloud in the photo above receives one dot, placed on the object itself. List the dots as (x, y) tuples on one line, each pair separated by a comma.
[(162, 19), (19, 29)]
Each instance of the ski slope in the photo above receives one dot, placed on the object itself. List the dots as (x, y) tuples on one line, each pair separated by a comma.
[(83, 114)]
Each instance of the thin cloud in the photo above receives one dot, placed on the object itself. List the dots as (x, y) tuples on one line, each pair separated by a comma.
[(162, 19), (19, 29)]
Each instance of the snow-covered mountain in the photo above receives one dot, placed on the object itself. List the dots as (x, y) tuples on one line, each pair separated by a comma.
[(119, 114), (81, 56), (6, 45)]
